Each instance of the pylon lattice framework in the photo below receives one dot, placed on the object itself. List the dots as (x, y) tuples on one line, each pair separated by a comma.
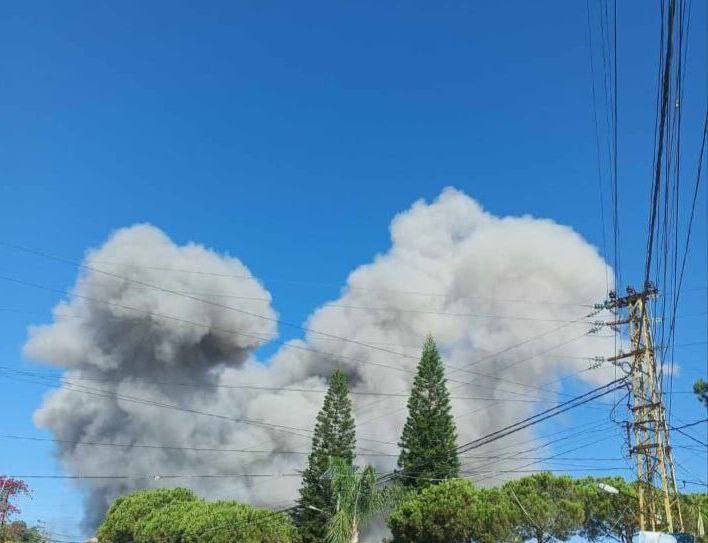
[(648, 430)]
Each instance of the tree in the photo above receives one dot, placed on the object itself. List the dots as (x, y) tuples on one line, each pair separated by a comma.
[(214, 522), (454, 511), (428, 442), (550, 507), (694, 508), (358, 500), (9, 489), (334, 436), (19, 532), (700, 388), (165, 523), (164, 515), (126, 511), (606, 514)]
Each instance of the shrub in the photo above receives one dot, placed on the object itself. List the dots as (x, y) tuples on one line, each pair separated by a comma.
[(214, 522), (127, 511), (163, 516), (552, 507), (453, 511)]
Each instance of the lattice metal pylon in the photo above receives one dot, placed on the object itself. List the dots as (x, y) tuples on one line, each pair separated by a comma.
[(659, 505)]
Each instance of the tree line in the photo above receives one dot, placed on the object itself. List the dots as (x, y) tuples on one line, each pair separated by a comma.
[(540, 507), (425, 501)]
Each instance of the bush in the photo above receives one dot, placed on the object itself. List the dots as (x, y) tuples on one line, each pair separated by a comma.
[(127, 511), (214, 522), (152, 517), (608, 515), (552, 507), (453, 511), (693, 506), (19, 532), (165, 523)]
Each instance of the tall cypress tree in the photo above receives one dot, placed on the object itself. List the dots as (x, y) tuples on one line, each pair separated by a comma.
[(429, 437), (333, 437)]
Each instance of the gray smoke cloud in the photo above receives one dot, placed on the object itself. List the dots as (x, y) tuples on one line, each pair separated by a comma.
[(478, 283)]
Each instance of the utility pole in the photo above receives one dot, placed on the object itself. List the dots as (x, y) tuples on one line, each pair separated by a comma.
[(648, 431)]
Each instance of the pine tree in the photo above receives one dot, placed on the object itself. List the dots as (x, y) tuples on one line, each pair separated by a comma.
[(333, 438), (429, 437)]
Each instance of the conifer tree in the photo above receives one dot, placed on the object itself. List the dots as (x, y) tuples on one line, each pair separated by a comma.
[(333, 438), (429, 437)]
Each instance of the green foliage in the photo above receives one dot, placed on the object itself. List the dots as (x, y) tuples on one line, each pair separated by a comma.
[(700, 388), (693, 506), (428, 442), (334, 437), (358, 500), (166, 523), (126, 511), (616, 515), (169, 515), (608, 515), (454, 511), (551, 507), (214, 522), (19, 532)]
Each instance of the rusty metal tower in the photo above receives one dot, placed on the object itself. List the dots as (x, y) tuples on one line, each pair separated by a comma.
[(648, 430)]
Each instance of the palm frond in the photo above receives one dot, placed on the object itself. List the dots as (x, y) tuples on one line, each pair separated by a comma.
[(359, 499), (340, 527)]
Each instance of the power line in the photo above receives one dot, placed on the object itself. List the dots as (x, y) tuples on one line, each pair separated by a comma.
[(616, 223), (284, 344), (677, 294), (514, 456), (249, 451), (100, 393), (696, 423), (490, 437), (689, 436), (547, 383), (535, 387), (597, 141), (392, 309), (665, 74), (251, 277), (532, 420), (696, 483), (204, 301), (525, 341), (495, 474), (158, 477), (356, 288), (543, 415), (558, 436), (298, 346), (72, 379)]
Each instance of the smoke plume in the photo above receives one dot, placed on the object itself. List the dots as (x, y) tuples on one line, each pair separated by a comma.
[(158, 344)]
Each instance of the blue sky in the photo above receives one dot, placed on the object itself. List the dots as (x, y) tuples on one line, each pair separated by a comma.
[(282, 132)]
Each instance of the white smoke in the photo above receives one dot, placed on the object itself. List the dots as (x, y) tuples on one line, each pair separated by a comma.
[(479, 284)]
